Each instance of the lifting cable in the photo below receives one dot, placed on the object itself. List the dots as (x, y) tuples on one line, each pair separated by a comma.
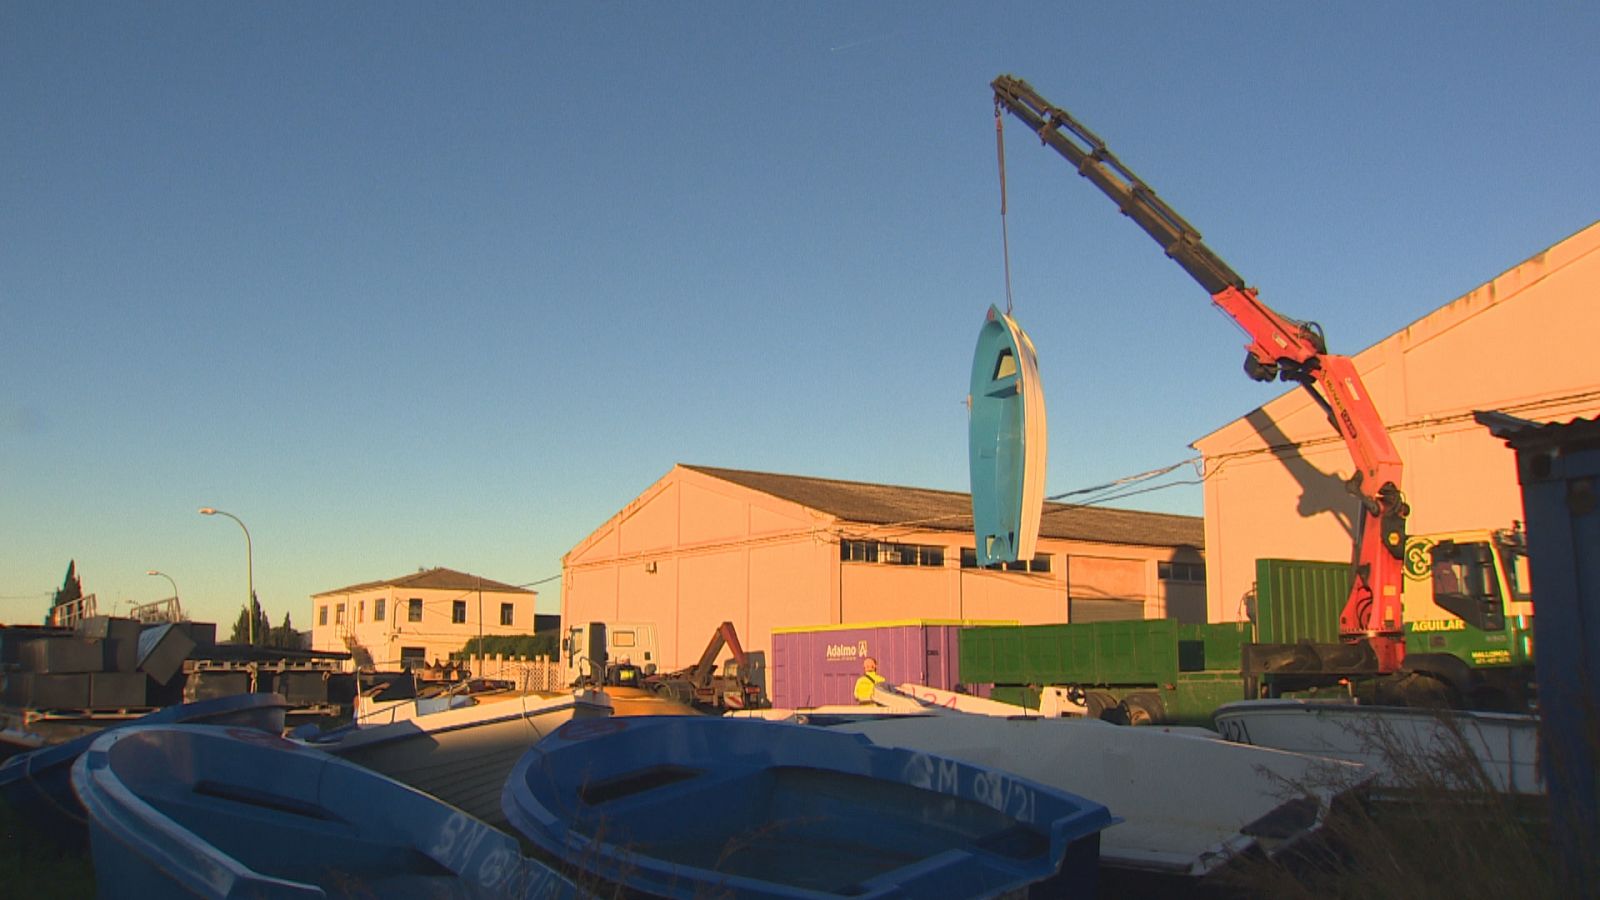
[(1005, 237)]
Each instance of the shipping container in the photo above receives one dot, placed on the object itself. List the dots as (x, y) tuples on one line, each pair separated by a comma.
[(818, 665)]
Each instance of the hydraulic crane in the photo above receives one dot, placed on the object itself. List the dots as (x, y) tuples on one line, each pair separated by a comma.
[(1281, 349)]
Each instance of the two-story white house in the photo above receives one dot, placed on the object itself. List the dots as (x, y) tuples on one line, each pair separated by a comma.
[(417, 618)]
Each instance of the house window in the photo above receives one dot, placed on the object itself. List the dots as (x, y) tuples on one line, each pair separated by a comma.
[(413, 657), (1177, 571), (322, 614), (507, 614), (361, 610), (338, 614), (378, 608), (458, 611), (414, 610)]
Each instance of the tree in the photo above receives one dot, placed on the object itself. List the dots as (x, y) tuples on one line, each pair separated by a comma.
[(71, 588), (241, 625), (284, 636)]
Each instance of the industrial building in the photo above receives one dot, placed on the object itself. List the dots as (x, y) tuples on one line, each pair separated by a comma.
[(1520, 344), (420, 617), (705, 545)]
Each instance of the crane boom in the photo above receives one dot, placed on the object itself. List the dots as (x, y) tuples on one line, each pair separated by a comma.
[(1280, 348)]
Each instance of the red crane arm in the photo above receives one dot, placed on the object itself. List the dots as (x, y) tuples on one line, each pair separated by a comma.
[(1280, 348)]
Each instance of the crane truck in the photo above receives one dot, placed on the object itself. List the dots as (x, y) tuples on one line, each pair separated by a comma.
[(1372, 639)]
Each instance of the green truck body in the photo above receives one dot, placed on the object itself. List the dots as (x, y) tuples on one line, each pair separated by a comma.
[(1174, 672), (1164, 671)]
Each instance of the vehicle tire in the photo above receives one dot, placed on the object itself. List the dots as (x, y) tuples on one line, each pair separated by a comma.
[(1100, 705), (1143, 709), (1426, 691)]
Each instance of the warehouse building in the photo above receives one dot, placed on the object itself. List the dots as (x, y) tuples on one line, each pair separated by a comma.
[(705, 545), (1520, 344)]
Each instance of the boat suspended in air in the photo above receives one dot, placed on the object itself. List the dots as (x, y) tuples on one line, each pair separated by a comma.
[(1006, 442)]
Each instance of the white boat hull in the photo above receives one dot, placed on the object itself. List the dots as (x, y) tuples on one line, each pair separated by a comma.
[(463, 755), (1505, 744), (1187, 802)]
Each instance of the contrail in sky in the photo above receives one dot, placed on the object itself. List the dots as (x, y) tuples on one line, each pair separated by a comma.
[(854, 44)]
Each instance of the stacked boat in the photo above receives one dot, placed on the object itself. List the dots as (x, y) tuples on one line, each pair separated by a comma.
[(459, 747), (449, 795)]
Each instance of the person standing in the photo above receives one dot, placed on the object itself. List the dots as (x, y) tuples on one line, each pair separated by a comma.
[(868, 682)]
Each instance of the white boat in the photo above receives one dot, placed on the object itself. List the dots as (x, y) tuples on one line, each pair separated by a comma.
[(1189, 803), (461, 748), (1449, 748), (906, 699)]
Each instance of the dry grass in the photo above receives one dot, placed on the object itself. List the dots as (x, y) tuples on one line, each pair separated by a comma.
[(1439, 826)]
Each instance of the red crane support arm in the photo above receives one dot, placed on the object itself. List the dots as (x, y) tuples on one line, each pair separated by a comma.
[(1280, 348)]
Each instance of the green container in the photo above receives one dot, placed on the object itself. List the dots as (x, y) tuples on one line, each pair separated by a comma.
[(1145, 652), (1299, 600)]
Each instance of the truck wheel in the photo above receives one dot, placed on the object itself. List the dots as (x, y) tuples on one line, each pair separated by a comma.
[(1143, 709), (1424, 690), (1097, 704)]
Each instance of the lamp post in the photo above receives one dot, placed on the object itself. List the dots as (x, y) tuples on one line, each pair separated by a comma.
[(169, 581), (250, 574)]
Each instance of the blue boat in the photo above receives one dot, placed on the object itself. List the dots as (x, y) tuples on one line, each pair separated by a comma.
[(1006, 442), (685, 807), (38, 784), (211, 812)]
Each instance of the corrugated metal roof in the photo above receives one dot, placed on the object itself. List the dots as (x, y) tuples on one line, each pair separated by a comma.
[(1524, 434), (883, 504), (435, 579)]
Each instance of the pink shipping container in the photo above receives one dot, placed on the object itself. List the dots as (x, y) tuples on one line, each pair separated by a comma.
[(819, 665)]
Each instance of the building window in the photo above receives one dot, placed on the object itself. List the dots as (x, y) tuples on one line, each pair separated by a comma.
[(458, 612), (1039, 563), (322, 614), (507, 614), (891, 554), (858, 551), (1177, 571), (414, 610), (413, 657), (338, 614), (378, 608), (361, 610)]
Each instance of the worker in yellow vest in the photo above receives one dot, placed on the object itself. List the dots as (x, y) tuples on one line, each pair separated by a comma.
[(868, 682)]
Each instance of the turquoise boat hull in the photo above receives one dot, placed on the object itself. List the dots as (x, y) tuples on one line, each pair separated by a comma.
[(1006, 442), (211, 812), (38, 784), (686, 807)]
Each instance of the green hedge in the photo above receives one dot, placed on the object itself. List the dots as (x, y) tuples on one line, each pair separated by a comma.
[(529, 645)]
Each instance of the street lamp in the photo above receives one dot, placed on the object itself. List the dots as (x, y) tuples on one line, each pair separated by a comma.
[(250, 574), (169, 581)]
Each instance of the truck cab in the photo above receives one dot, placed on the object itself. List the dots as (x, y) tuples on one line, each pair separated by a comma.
[(1469, 612), (627, 643)]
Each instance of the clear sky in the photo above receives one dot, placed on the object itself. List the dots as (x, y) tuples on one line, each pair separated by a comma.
[(414, 285)]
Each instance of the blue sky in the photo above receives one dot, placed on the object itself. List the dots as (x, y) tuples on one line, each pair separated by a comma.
[(411, 285)]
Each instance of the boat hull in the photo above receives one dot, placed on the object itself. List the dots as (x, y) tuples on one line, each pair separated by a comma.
[(1006, 442), (463, 755), (1505, 745), (38, 784), (1189, 804), (687, 807), (210, 812)]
